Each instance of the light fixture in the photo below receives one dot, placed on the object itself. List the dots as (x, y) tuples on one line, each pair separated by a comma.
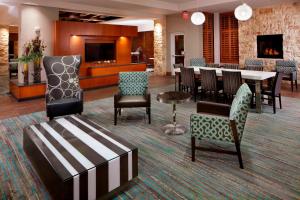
[(243, 12), (198, 18), (185, 15)]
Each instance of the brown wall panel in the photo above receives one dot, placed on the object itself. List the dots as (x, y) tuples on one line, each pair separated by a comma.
[(208, 38)]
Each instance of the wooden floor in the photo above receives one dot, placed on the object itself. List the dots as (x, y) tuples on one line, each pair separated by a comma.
[(9, 107)]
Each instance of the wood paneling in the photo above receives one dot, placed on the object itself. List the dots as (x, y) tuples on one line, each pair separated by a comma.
[(145, 40), (100, 77), (229, 38), (110, 70), (208, 38), (70, 38)]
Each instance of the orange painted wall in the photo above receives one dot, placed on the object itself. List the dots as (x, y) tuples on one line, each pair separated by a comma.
[(70, 38)]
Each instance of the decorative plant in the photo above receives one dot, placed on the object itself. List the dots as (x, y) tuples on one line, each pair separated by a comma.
[(26, 57), (38, 48)]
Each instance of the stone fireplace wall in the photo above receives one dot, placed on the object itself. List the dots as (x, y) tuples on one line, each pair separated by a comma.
[(278, 19), (4, 36)]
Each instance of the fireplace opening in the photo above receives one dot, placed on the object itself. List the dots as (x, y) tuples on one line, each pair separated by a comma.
[(270, 46)]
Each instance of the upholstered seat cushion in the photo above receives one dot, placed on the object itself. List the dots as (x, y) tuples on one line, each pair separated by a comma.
[(132, 100), (211, 127), (64, 107)]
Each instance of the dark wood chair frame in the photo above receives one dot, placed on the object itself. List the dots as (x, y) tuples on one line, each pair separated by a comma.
[(220, 110), (274, 92), (118, 106)]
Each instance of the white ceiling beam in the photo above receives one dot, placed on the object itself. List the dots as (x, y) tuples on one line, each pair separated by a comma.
[(84, 8), (152, 4), (203, 3)]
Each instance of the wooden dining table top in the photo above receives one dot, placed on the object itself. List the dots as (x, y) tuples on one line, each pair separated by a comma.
[(246, 74)]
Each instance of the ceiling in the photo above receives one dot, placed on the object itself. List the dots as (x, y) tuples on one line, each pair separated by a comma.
[(85, 17), (148, 8)]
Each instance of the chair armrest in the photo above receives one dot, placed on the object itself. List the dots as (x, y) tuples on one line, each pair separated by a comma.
[(117, 97), (79, 95), (213, 108), (47, 97)]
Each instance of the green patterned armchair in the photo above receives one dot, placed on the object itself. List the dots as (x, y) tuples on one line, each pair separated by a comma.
[(133, 92), (221, 122)]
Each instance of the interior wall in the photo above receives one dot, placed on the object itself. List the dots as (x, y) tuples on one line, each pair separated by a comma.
[(193, 36), (279, 19), (36, 16)]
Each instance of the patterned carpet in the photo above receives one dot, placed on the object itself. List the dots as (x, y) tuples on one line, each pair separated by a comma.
[(270, 149)]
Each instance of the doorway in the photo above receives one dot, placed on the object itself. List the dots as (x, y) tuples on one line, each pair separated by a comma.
[(177, 50)]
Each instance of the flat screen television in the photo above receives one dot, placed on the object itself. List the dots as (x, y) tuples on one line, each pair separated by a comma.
[(100, 52)]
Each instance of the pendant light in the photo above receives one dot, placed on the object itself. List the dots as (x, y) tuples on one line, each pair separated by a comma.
[(198, 18), (243, 12)]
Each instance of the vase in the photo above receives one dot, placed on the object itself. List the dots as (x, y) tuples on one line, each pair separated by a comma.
[(25, 72), (37, 70)]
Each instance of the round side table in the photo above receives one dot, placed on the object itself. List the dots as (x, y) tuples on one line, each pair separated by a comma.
[(174, 97)]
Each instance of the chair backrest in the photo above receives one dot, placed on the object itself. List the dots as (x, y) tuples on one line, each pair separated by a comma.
[(212, 65), (231, 82), (62, 76), (240, 107), (133, 83), (286, 66), (208, 80), (179, 65), (197, 62), (230, 66), (254, 67), (276, 87), (253, 62), (187, 77)]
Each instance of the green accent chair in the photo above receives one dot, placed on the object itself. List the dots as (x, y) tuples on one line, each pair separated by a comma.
[(133, 92), (221, 122)]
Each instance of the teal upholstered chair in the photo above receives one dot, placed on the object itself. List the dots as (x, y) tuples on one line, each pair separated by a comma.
[(221, 122), (198, 62), (133, 92)]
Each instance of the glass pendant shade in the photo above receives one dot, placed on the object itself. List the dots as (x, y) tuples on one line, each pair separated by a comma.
[(198, 18), (243, 12)]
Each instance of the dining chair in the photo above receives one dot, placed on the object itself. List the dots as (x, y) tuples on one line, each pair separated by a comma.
[(177, 75), (252, 63), (231, 83), (289, 70), (209, 83), (230, 66), (274, 91), (200, 62), (253, 66), (222, 122), (212, 65), (189, 81)]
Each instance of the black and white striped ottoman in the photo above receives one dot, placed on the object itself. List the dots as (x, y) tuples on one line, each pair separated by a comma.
[(78, 159)]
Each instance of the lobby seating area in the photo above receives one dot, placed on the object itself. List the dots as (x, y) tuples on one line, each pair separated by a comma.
[(150, 100)]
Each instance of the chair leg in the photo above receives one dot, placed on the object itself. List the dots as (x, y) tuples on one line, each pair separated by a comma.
[(149, 114), (238, 150), (193, 142), (115, 116), (120, 111), (51, 118), (274, 104), (292, 85), (280, 101), (296, 83)]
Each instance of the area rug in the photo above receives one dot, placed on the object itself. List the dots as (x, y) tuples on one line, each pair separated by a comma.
[(270, 149)]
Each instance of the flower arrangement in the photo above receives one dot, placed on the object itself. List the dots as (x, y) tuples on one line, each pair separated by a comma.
[(33, 51)]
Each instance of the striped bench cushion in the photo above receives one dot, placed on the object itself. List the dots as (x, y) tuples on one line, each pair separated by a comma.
[(78, 159)]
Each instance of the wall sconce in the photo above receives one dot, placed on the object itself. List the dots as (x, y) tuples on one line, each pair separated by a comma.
[(37, 31)]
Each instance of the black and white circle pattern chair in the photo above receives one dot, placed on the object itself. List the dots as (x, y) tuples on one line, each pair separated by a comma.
[(63, 95)]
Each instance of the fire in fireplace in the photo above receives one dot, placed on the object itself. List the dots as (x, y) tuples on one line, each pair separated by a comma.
[(270, 46)]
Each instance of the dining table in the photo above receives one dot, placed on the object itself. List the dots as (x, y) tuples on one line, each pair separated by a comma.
[(257, 76)]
